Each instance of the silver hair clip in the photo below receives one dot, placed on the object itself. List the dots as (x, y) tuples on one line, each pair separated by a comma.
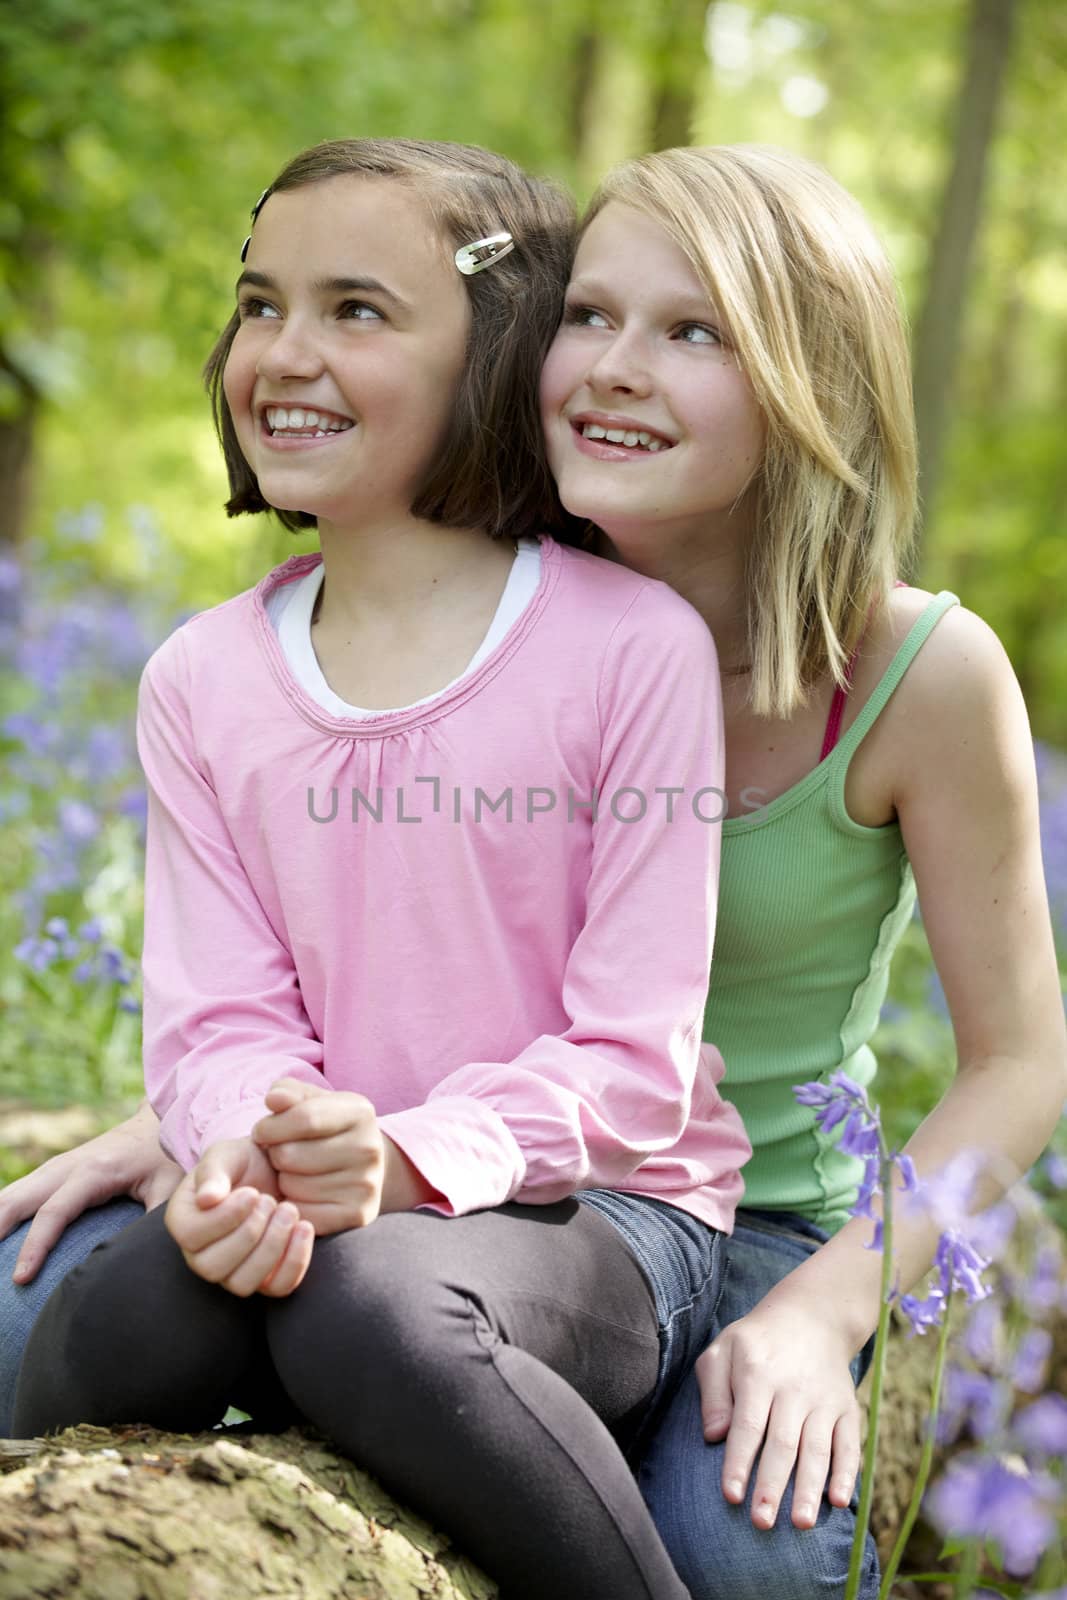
[(256, 209), (475, 257)]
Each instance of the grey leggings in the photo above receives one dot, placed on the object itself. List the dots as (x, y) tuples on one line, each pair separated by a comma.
[(487, 1369)]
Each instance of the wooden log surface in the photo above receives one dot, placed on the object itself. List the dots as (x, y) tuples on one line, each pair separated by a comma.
[(131, 1514)]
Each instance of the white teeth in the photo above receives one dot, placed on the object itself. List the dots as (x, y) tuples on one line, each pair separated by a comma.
[(631, 437), (282, 419)]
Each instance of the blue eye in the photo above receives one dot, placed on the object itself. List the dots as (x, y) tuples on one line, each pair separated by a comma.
[(584, 317), (699, 333)]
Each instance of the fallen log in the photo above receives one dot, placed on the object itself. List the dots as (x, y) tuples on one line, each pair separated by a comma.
[(132, 1514)]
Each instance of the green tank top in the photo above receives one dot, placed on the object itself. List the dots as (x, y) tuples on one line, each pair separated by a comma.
[(811, 908)]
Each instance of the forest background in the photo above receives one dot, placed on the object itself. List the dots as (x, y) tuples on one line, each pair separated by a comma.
[(135, 136)]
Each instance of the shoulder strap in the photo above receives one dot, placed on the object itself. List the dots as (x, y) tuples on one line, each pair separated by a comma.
[(837, 706), (912, 643)]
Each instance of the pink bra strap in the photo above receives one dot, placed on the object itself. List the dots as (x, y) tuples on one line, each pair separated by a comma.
[(837, 708), (837, 704)]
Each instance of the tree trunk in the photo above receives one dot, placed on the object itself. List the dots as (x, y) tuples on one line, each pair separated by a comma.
[(583, 68), (678, 59), (937, 337), (16, 451), (138, 1515)]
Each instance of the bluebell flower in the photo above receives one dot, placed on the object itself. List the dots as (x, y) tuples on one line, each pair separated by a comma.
[(91, 932), (38, 954), (1031, 1360), (961, 1267), (980, 1497), (925, 1313), (973, 1400), (38, 736), (78, 821), (127, 1002), (1041, 1291), (983, 1336), (1042, 1426), (1055, 1169)]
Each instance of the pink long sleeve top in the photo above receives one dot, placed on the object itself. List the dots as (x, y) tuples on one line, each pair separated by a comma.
[(426, 908)]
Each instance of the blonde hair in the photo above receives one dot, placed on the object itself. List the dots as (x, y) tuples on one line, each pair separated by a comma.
[(809, 301)]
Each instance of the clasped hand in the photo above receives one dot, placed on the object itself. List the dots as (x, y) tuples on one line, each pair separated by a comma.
[(247, 1215)]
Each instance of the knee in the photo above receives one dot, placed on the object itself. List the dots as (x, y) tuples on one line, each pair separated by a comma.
[(375, 1327), (720, 1555)]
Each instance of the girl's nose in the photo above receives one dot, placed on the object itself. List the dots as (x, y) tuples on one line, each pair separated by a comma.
[(622, 367), (291, 352)]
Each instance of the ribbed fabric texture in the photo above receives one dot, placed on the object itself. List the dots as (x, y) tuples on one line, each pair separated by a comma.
[(811, 908)]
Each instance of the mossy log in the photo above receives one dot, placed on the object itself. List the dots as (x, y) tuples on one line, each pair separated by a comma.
[(131, 1514)]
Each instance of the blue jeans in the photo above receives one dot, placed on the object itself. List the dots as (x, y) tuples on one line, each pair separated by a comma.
[(21, 1304), (718, 1553)]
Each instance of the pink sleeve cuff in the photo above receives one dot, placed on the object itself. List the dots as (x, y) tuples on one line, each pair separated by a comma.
[(463, 1148)]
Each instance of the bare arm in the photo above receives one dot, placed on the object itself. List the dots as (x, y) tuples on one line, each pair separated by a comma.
[(126, 1160), (967, 804)]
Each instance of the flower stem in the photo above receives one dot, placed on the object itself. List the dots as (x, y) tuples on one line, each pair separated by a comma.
[(870, 1451), (925, 1461), (968, 1572)]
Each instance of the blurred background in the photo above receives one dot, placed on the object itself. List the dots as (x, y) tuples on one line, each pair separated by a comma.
[(135, 136)]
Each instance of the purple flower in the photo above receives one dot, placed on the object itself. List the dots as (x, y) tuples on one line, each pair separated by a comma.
[(906, 1168), (1042, 1427), (1031, 1358), (1041, 1291), (923, 1314), (960, 1266), (1055, 1168), (981, 1497), (39, 738), (91, 932), (78, 821), (974, 1400), (134, 803), (983, 1337), (112, 965), (38, 954), (843, 1100), (128, 1003)]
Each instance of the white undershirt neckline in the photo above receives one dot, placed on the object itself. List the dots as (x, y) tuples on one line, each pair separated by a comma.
[(290, 606)]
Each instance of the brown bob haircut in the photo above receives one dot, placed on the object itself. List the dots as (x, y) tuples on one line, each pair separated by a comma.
[(491, 471)]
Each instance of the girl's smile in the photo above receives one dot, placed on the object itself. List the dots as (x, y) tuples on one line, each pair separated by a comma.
[(286, 425)]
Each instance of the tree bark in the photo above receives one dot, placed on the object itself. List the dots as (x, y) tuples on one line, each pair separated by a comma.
[(937, 337), (131, 1514)]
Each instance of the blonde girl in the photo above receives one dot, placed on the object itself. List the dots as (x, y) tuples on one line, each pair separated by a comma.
[(733, 307)]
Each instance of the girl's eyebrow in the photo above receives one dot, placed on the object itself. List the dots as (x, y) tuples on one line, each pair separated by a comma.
[(261, 280), (686, 302)]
